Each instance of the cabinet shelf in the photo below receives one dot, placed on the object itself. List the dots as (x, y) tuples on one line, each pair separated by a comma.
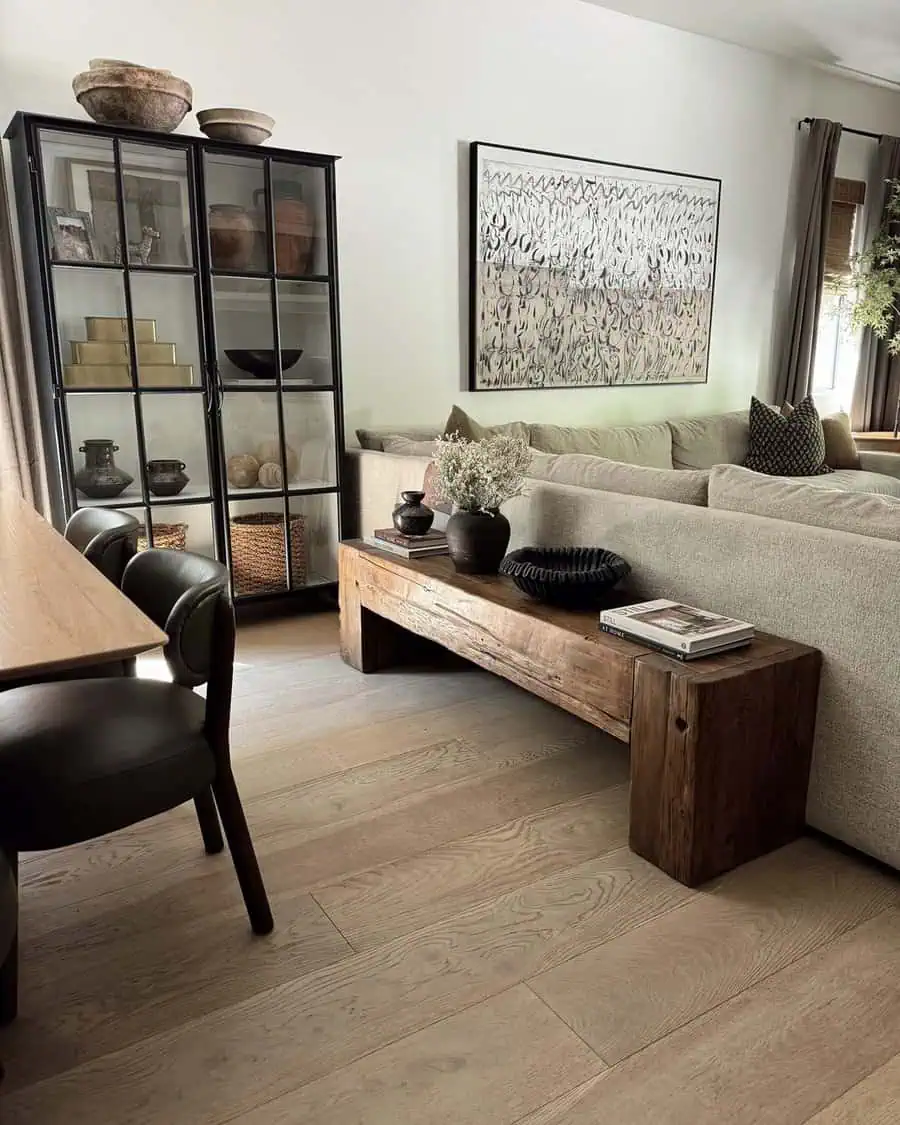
[(118, 267)]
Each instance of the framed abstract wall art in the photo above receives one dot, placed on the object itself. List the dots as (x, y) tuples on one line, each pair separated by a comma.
[(587, 274)]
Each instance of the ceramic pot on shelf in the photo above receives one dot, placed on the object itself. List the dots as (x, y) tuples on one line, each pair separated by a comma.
[(100, 478), (294, 227), (477, 541), (232, 236), (412, 517), (166, 476)]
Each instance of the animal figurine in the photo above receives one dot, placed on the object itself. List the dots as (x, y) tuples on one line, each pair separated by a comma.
[(139, 252)]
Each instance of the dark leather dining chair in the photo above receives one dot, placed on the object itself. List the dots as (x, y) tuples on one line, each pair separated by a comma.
[(82, 758), (106, 538)]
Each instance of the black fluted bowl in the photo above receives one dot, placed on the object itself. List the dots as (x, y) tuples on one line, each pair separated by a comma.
[(574, 577), (260, 362)]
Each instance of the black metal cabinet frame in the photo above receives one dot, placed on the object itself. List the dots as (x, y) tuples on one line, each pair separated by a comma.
[(24, 136)]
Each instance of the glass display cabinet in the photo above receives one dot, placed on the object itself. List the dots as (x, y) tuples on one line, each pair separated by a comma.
[(183, 299)]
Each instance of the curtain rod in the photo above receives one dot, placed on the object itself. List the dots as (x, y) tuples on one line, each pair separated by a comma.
[(846, 129)]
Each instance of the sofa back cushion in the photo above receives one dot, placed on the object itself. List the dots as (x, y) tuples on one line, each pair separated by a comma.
[(374, 439), (406, 447), (461, 423), (615, 476), (634, 445), (861, 513), (720, 439)]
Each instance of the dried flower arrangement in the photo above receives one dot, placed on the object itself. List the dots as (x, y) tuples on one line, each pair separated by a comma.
[(479, 476)]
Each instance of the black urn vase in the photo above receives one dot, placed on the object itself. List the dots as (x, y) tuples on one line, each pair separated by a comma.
[(412, 517), (477, 541)]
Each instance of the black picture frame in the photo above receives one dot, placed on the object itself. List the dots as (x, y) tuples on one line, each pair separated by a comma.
[(477, 153)]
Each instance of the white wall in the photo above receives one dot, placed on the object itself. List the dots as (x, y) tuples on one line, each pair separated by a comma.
[(399, 87)]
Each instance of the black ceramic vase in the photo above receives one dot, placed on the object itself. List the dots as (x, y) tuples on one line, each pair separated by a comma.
[(412, 517), (477, 541), (100, 477)]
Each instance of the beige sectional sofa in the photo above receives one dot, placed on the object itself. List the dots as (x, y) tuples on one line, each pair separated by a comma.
[(802, 558)]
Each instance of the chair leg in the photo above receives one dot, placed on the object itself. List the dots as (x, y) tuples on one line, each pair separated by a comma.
[(9, 970), (242, 854), (209, 822)]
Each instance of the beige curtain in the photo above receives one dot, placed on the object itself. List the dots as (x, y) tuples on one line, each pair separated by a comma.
[(877, 388), (817, 165), (21, 460)]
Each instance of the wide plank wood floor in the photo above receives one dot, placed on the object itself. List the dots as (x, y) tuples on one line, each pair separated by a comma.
[(462, 936)]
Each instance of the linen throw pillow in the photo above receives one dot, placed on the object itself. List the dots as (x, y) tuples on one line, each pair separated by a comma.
[(786, 447), (463, 424)]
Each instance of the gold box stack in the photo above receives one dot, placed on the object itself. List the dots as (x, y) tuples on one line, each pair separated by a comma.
[(102, 360)]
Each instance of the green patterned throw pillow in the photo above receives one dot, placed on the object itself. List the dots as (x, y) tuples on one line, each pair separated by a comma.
[(786, 447)]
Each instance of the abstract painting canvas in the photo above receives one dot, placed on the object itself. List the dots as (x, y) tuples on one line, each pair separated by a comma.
[(586, 274)]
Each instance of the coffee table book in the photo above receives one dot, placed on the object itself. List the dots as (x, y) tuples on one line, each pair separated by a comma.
[(680, 630), (409, 546)]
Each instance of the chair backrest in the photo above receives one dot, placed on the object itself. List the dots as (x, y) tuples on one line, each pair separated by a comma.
[(105, 537), (187, 596)]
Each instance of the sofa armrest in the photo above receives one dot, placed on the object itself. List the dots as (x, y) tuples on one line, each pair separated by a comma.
[(373, 483), (876, 461)]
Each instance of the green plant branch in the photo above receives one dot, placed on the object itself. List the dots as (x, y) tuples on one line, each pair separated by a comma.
[(876, 273)]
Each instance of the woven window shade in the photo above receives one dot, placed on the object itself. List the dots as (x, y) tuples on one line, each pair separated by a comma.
[(849, 196)]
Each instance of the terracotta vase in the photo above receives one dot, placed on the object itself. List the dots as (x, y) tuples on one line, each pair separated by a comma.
[(232, 236), (477, 541), (294, 227)]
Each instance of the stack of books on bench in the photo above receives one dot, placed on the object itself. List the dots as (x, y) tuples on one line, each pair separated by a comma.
[(409, 546), (675, 629)]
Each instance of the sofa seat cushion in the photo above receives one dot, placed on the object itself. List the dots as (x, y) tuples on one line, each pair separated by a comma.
[(81, 758), (634, 445), (805, 501), (615, 476), (856, 480)]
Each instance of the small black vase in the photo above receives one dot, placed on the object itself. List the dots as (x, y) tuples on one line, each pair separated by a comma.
[(412, 517), (477, 541)]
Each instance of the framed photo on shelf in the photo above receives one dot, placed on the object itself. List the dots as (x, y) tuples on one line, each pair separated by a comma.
[(71, 235), (155, 198)]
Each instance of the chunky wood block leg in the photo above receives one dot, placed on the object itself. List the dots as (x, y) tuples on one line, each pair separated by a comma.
[(720, 759), (368, 642)]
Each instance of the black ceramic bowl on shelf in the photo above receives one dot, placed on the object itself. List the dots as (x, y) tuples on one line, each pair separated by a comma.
[(574, 577), (260, 362)]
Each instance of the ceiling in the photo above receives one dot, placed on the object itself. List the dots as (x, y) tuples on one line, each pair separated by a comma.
[(862, 36)]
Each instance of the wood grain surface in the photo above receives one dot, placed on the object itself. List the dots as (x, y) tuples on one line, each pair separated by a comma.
[(57, 611), (503, 960)]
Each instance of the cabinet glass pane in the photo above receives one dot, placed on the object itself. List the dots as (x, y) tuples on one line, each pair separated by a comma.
[(157, 205), (235, 198), (104, 449), (244, 333), (314, 537), (301, 247), (169, 352), (304, 317), (79, 190), (175, 431), (309, 432), (92, 329), (258, 562), (183, 527), (252, 448)]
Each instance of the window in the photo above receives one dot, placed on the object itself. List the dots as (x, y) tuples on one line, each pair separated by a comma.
[(837, 345)]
